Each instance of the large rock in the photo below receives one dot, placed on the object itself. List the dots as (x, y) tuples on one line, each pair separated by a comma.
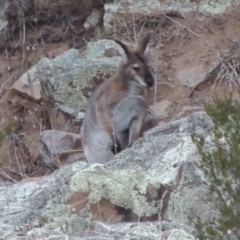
[(160, 109), (156, 180), (69, 78), (117, 13), (167, 157), (192, 76)]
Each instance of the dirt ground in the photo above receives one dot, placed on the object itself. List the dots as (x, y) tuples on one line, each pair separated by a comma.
[(178, 45)]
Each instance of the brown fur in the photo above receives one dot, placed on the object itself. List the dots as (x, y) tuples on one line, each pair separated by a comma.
[(117, 112)]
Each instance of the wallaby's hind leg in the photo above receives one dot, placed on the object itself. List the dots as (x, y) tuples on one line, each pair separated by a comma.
[(141, 125), (97, 145), (96, 153), (135, 130)]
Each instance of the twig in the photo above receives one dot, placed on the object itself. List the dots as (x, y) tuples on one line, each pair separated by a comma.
[(195, 34), (157, 74), (6, 83), (160, 211), (55, 163), (31, 117), (7, 176), (114, 29), (72, 151), (24, 39), (11, 170), (39, 34), (87, 231), (66, 126), (15, 151), (14, 211), (134, 26), (142, 27), (20, 144), (128, 32)]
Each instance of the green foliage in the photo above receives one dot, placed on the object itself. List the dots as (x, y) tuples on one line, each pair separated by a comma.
[(8, 129), (221, 167)]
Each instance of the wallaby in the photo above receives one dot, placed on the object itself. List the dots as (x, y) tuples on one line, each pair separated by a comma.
[(117, 112)]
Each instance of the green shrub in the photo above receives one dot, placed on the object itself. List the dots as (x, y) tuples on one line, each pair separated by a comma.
[(8, 128), (221, 167)]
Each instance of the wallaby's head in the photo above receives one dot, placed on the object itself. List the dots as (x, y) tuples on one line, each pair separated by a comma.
[(136, 67)]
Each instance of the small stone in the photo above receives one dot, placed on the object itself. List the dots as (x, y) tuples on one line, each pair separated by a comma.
[(92, 19), (161, 108), (59, 147), (29, 84), (192, 76)]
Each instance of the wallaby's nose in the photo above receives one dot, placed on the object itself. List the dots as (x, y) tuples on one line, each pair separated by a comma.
[(150, 82), (149, 79)]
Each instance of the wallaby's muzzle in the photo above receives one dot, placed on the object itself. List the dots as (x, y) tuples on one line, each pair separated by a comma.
[(149, 79)]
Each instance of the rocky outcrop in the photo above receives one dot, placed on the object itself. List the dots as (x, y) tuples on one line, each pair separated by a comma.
[(168, 155), (118, 13), (153, 190), (157, 180)]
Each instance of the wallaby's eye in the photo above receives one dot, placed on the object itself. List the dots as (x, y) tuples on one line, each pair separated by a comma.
[(136, 67)]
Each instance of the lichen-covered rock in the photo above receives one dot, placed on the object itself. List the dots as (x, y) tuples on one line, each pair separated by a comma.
[(118, 12), (67, 78), (176, 234), (168, 157), (157, 179), (114, 11), (122, 188)]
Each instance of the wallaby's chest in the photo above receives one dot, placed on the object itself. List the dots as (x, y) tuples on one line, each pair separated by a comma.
[(111, 93), (136, 90)]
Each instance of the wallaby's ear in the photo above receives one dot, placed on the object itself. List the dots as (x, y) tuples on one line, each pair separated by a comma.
[(142, 45), (125, 48)]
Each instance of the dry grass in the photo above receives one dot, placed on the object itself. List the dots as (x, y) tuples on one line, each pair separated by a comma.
[(229, 69)]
